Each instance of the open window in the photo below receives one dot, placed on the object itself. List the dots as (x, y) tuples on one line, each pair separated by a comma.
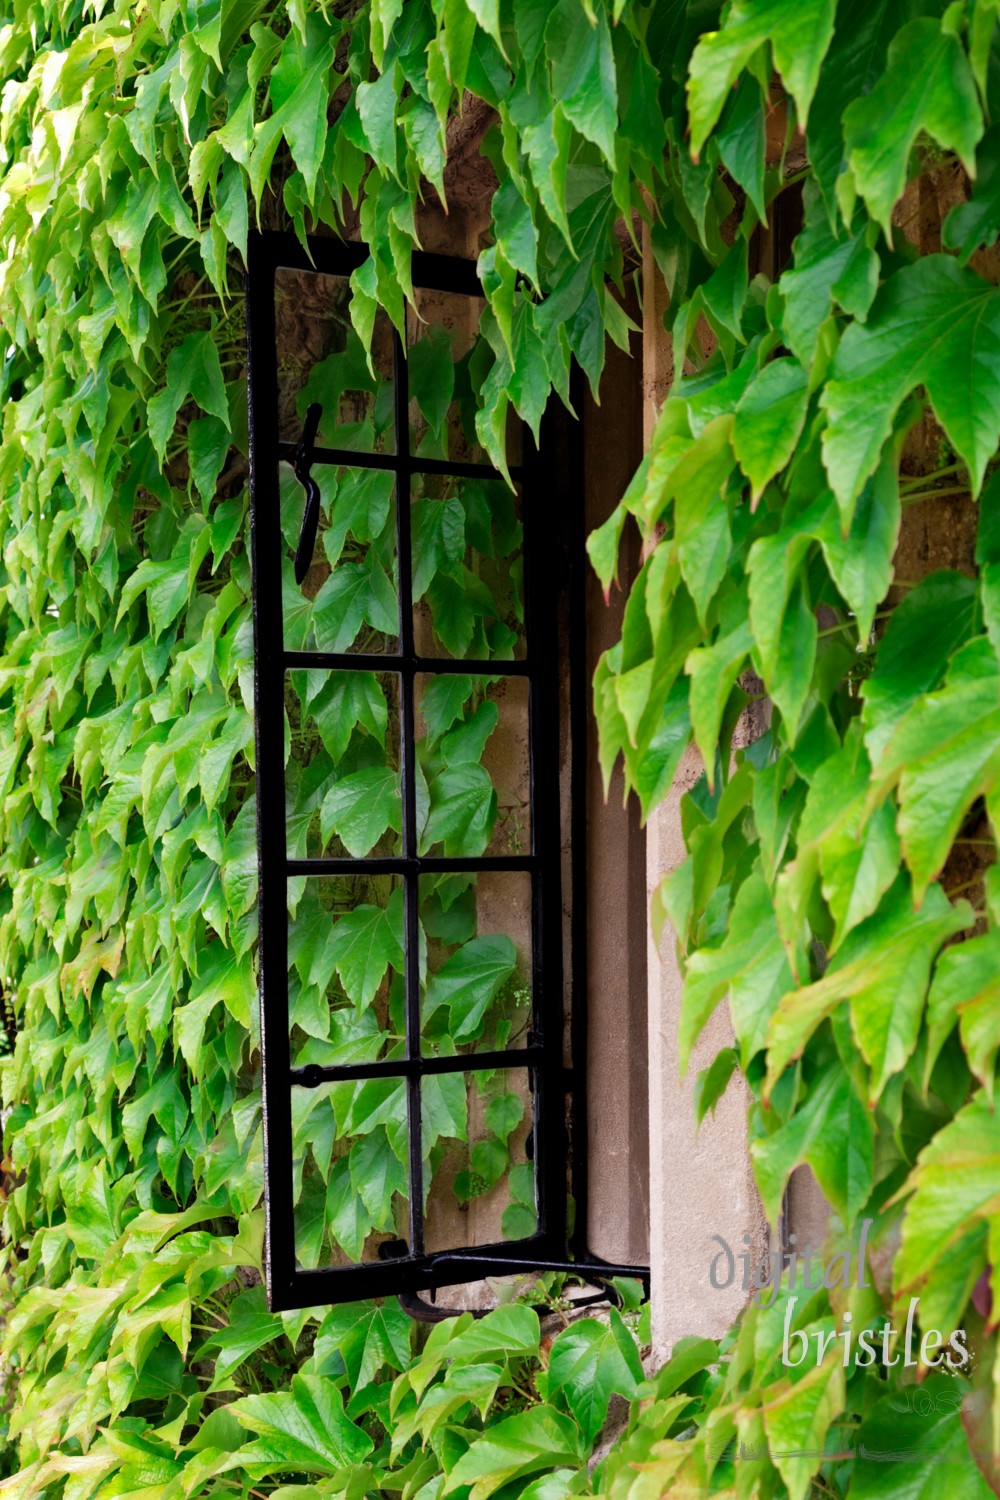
[(415, 629)]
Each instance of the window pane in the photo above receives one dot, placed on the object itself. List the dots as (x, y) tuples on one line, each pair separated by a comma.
[(350, 1178), (322, 359), (468, 571), (345, 969), (473, 765), (476, 986), (476, 1129), (348, 600), (342, 791)]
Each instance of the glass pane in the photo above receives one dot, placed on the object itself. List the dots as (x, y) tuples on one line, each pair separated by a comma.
[(448, 363), (322, 359), (478, 1180), (468, 567), (476, 982), (348, 600), (473, 765), (345, 969), (350, 1178), (342, 787)]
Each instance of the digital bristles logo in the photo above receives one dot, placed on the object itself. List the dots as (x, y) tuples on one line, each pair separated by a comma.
[(794, 1272)]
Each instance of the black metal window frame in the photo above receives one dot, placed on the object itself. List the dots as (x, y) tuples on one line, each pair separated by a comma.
[(407, 1267)]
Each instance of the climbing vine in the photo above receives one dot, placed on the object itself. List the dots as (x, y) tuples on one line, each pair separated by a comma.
[(816, 507)]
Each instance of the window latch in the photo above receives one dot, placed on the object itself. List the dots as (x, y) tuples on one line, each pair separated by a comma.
[(301, 464)]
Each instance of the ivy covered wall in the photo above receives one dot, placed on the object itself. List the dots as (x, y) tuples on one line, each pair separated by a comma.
[(831, 868)]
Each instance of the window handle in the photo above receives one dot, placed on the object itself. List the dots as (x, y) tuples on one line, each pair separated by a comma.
[(301, 464)]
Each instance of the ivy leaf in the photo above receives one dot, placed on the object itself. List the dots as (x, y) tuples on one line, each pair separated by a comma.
[(883, 968), (531, 1441), (827, 269), (438, 539), (799, 32), (340, 1206), (797, 1417), (302, 1429), (463, 810), (587, 1363), (769, 421), (443, 701), (931, 1430), (927, 85), (376, 1175), (966, 989), (977, 222), (932, 324), (369, 1337), (353, 594), (834, 1133), (583, 73), (360, 807), (250, 1328), (943, 755), (931, 622), (347, 700), (362, 945), (856, 58), (193, 371), (741, 139), (750, 963), (504, 1114), (468, 981), (783, 624), (431, 364)]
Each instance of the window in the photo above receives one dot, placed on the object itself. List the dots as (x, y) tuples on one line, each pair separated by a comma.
[(420, 1095)]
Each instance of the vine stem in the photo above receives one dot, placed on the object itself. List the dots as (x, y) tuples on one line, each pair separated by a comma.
[(917, 497), (938, 474)]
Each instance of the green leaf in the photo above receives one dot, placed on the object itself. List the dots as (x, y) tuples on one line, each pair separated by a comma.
[(587, 1362), (750, 963), (463, 810), (304, 1428), (438, 539), (362, 945), (468, 981), (538, 1439), (504, 1114), (583, 73), (713, 671), (943, 755), (883, 968), (927, 85), (250, 1328), (431, 365), (193, 371), (931, 1430), (376, 1175), (970, 225), (966, 990), (798, 31), (932, 324), (712, 1082), (925, 629), (797, 1416), (369, 1337), (834, 1132), (360, 807), (828, 270), (769, 421), (353, 594)]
